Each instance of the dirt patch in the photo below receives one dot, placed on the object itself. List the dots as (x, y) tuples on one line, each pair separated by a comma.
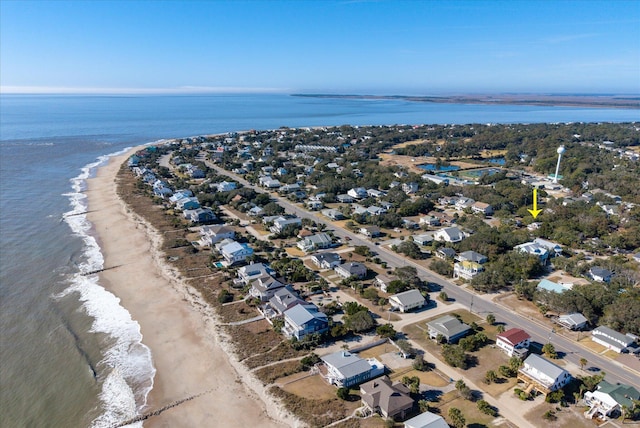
[(431, 378), (253, 339), (566, 417), (316, 413), (473, 416)]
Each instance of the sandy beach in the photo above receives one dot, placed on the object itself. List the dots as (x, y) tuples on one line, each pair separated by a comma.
[(190, 355)]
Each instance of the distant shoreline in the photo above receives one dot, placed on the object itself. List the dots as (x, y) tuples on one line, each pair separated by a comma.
[(574, 100)]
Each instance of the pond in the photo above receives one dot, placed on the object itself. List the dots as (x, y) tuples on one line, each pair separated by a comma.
[(442, 168)]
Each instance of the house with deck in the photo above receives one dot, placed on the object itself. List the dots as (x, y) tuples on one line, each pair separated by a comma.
[(426, 420), (449, 234), (608, 399), (265, 287), (250, 272), (302, 320), (542, 375), (200, 215), (344, 369), (319, 241), (575, 321), (210, 235), (236, 252), (326, 260)]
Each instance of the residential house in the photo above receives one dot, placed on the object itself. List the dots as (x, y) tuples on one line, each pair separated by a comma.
[(423, 239), (248, 273), (611, 339), (409, 224), (600, 274), (269, 183), (210, 235), (302, 320), (375, 193), (281, 224), (389, 399), (326, 260), (543, 375), (236, 252), (449, 234), (319, 241), (315, 205), (426, 420), (370, 231), (226, 186), (534, 249), (218, 247), (190, 203), (289, 188), (514, 342), (162, 192), (345, 198), (410, 188), (463, 203), (608, 399), (255, 211), (332, 214), (430, 220), (472, 256), (553, 248), (283, 299), (180, 194), (265, 287), (450, 327), (553, 287), (352, 269), (407, 300), (445, 253), (383, 281), (200, 215), (358, 193), (466, 269), (482, 208), (344, 369), (573, 321)]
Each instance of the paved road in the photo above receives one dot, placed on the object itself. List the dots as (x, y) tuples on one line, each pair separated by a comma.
[(479, 304)]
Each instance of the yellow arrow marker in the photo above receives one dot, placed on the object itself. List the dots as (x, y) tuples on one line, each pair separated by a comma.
[(535, 211)]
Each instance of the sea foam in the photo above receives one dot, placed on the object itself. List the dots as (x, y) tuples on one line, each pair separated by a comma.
[(126, 369)]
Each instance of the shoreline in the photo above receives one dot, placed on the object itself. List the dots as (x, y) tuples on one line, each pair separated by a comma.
[(192, 357)]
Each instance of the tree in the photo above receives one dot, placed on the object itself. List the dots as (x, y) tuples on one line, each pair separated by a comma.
[(420, 364), (490, 376), (583, 362), (443, 296), (486, 408), (343, 393), (491, 319), (457, 418), (515, 363), (423, 406), (455, 356), (500, 328), (360, 321), (386, 331), (550, 351), (463, 390)]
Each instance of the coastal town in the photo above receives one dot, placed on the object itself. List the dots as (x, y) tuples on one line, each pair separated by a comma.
[(415, 276)]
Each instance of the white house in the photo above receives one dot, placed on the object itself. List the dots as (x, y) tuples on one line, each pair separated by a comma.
[(226, 186), (407, 300), (326, 260), (573, 321), (423, 239), (236, 252), (358, 193), (449, 234), (370, 231), (599, 274), (281, 223), (426, 420), (542, 374), (482, 208), (608, 399), (302, 320), (450, 327), (514, 341), (200, 215), (534, 249), (611, 339), (253, 271), (344, 369), (466, 270), (210, 235), (265, 287)]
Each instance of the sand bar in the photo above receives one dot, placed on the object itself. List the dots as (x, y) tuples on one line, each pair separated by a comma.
[(189, 354)]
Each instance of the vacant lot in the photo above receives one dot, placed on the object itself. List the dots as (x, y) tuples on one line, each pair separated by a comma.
[(312, 387)]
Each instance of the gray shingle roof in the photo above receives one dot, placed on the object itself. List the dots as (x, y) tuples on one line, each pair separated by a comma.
[(448, 325), (347, 364), (409, 298), (544, 366)]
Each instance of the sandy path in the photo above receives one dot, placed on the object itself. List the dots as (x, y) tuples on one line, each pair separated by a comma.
[(189, 356)]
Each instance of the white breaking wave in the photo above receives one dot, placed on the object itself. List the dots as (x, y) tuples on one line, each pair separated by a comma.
[(126, 369)]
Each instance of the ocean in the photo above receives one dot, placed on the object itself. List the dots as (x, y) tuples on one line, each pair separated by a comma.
[(71, 354)]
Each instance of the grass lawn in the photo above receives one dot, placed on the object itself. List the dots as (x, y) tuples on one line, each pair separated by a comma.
[(431, 378), (469, 410), (312, 387)]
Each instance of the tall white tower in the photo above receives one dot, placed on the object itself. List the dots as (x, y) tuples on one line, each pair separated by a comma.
[(560, 151)]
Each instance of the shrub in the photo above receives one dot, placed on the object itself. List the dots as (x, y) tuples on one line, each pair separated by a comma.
[(486, 408), (343, 393)]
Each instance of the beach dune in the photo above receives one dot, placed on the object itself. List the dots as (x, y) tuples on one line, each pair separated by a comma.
[(189, 354)]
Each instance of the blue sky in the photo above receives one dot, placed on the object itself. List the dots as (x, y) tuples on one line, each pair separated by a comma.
[(358, 46)]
